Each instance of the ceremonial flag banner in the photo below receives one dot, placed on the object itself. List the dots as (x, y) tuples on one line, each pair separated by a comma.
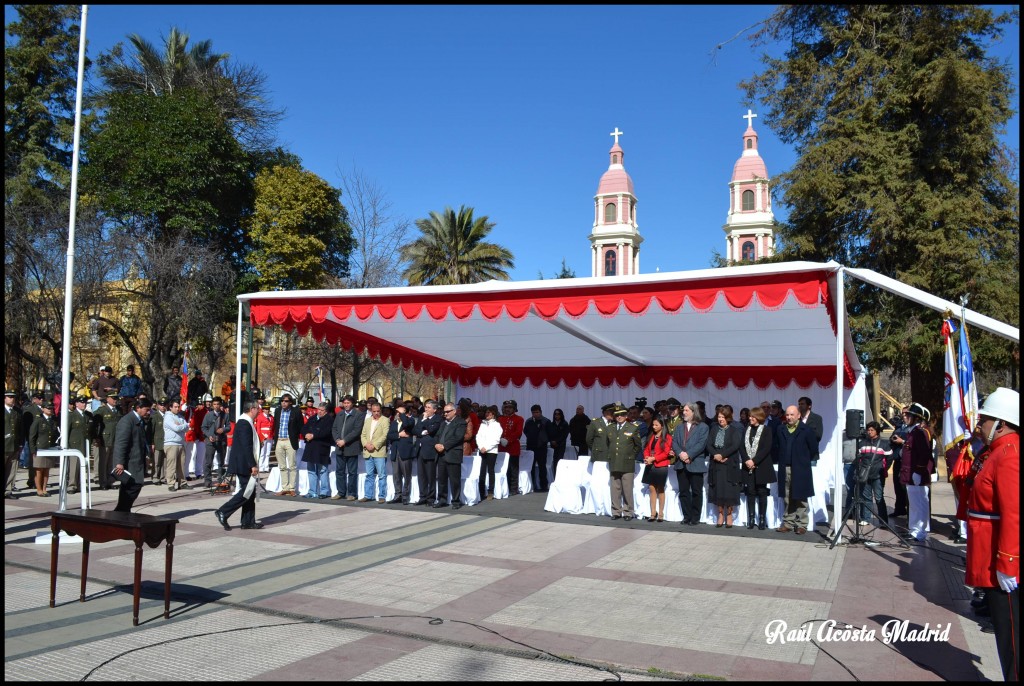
[(968, 388), (954, 427), (184, 379), (323, 394)]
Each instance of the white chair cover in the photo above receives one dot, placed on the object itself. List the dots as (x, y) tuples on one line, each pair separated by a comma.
[(501, 476), (525, 468), (566, 492), (471, 478), (598, 499)]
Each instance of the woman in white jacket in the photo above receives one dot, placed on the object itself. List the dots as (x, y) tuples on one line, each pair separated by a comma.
[(487, 440)]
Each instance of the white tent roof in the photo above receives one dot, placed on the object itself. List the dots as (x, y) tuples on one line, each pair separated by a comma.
[(762, 323)]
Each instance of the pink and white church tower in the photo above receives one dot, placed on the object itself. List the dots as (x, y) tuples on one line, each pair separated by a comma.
[(615, 239), (749, 226)]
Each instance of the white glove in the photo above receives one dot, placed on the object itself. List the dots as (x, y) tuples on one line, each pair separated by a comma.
[(1006, 582), (503, 442), (935, 477)]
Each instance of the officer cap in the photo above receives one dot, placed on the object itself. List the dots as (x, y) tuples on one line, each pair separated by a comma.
[(10, 394), (620, 409)]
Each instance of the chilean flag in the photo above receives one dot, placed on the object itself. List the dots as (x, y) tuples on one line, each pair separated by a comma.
[(184, 379)]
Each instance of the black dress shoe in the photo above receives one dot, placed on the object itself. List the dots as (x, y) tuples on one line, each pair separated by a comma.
[(616, 516), (627, 518), (394, 501), (456, 505), (257, 525), (421, 502), (223, 520), (439, 504)]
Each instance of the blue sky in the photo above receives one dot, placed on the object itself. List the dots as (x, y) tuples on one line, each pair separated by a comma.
[(507, 109)]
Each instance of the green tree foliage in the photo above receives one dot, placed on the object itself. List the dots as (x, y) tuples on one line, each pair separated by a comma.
[(895, 112), (237, 91), (452, 250), (40, 75), (299, 231), (565, 272), (169, 164)]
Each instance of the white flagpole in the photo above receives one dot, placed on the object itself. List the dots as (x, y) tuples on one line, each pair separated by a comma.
[(69, 276)]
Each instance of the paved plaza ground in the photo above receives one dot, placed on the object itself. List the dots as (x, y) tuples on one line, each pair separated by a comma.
[(500, 591)]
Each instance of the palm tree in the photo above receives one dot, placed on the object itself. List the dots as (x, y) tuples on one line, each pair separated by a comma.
[(452, 250), (238, 91)]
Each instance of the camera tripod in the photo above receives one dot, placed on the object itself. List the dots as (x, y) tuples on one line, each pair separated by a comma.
[(853, 509)]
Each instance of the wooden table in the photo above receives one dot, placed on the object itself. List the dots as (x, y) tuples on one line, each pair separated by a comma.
[(100, 526)]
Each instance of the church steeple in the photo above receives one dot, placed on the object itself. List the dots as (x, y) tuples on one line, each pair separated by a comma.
[(615, 238), (749, 226)]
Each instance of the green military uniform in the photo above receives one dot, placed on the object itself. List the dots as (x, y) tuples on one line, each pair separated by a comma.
[(78, 432), (156, 420), (672, 422), (45, 433), (597, 439), (623, 444), (13, 442), (28, 417), (103, 427)]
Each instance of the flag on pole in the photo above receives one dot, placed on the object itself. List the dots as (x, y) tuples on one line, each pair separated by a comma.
[(968, 388), (320, 377), (953, 424), (184, 379)]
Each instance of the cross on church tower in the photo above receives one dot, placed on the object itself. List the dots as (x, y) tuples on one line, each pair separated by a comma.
[(618, 133), (749, 116)]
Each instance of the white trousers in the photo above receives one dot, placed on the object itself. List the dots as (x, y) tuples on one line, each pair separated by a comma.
[(196, 454), (918, 519)]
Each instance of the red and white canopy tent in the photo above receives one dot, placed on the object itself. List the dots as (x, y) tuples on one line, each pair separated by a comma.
[(734, 335)]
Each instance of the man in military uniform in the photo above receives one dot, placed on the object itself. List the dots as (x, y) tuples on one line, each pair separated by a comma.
[(156, 421), (29, 412), (13, 441), (104, 425), (79, 420), (597, 434), (623, 445), (675, 416)]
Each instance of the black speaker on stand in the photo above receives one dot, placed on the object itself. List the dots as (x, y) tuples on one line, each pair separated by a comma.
[(854, 423)]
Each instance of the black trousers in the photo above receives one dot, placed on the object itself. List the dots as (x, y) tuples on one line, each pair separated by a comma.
[(539, 471), (759, 496), (238, 500), (487, 472), (691, 494), (403, 478), (1004, 610), (427, 478), (901, 506), (220, 450), (512, 474), (449, 480), (127, 494)]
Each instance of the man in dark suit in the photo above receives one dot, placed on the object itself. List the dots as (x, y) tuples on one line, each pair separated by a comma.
[(689, 445), (347, 432), (285, 433), (245, 446), (798, 450), (426, 432), (400, 450), (536, 430), (449, 449), (317, 455), (813, 421), (131, 448)]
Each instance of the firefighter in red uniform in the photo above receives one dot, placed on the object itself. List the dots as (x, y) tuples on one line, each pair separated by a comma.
[(511, 431), (993, 524)]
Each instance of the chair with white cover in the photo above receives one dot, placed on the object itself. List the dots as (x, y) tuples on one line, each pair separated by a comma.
[(598, 499), (525, 471), (501, 476), (566, 493), (471, 478)]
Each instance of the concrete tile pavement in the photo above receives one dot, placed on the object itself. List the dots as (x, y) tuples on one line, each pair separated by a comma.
[(333, 590)]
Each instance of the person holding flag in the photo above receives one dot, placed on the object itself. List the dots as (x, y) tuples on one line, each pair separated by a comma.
[(956, 433)]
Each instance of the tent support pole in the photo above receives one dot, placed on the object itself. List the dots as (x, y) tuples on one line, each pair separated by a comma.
[(837, 432), (238, 362)]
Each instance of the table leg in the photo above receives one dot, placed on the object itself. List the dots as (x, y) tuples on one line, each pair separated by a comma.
[(54, 543), (85, 569), (138, 583), (167, 581)]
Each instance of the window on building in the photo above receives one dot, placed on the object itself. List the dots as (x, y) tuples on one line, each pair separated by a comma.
[(609, 213), (750, 143), (748, 201), (93, 334), (609, 263), (615, 159), (748, 251), (632, 211)]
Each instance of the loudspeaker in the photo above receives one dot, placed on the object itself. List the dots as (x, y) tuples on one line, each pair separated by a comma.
[(854, 423)]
